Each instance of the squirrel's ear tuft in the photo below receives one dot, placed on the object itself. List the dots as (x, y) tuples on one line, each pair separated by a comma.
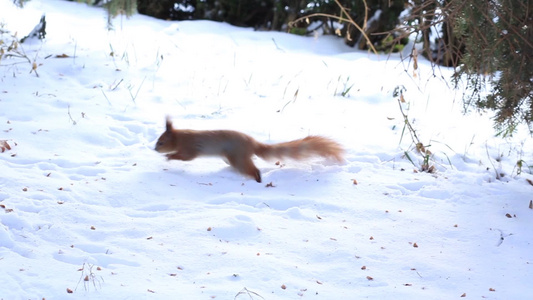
[(169, 124)]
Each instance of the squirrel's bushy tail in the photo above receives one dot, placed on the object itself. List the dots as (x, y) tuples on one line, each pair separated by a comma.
[(301, 149)]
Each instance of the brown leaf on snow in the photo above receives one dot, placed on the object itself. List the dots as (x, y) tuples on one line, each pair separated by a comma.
[(363, 268), (529, 181), (408, 284), (492, 290), (369, 278), (283, 287), (69, 291), (508, 215), (463, 295), (530, 204), (415, 245), (4, 146)]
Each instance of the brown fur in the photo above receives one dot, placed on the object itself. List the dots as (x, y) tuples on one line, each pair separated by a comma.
[(238, 148)]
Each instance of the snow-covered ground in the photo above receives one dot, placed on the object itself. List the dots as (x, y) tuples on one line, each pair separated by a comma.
[(88, 210)]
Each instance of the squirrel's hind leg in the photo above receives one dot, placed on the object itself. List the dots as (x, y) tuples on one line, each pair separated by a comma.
[(245, 166)]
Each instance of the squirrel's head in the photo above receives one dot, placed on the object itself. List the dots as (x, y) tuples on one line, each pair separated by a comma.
[(166, 142)]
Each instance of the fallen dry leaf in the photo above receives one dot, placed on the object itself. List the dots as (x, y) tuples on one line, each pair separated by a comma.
[(369, 278), (463, 295), (4, 146), (283, 287)]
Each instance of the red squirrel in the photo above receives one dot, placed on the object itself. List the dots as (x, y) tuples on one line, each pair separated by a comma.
[(238, 148)]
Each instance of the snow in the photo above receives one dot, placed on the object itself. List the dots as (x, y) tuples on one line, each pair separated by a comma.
[(83, 195)]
